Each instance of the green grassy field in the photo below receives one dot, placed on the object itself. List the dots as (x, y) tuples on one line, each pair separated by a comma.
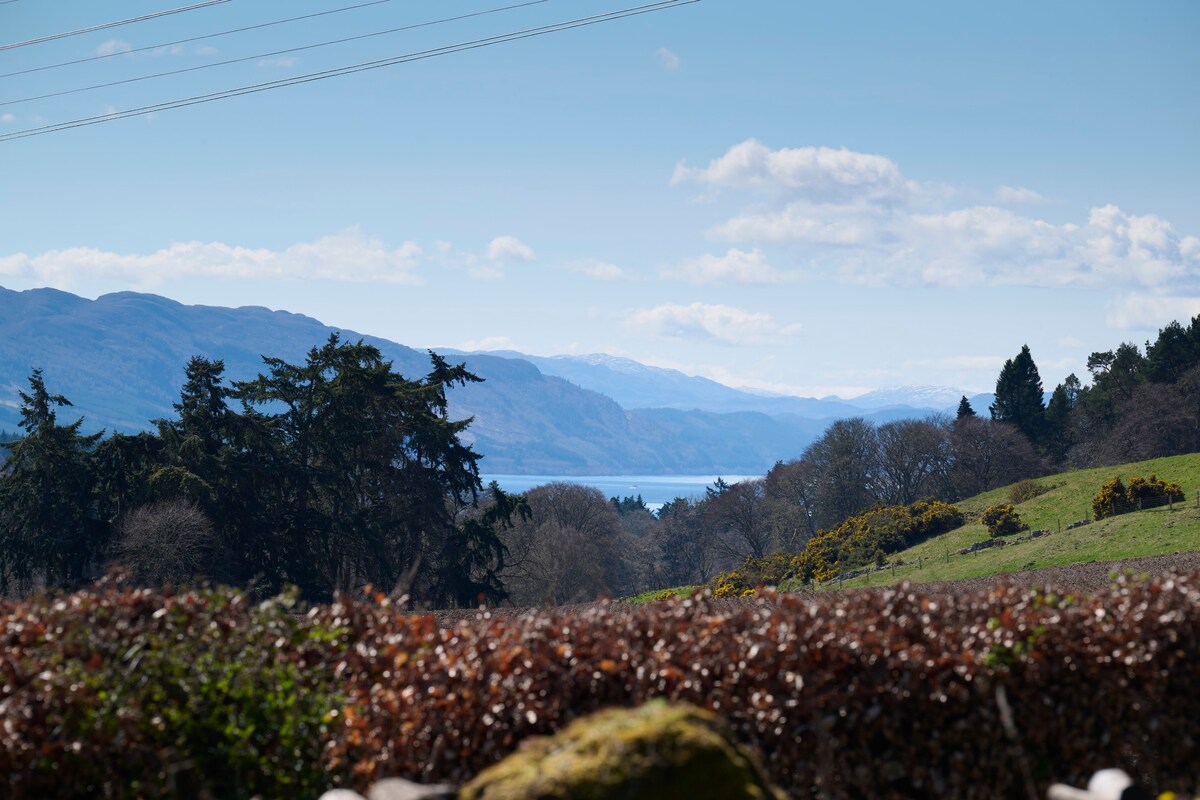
[(1144, 533), (662, 594)]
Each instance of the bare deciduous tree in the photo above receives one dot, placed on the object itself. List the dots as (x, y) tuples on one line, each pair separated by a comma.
[(166, 541), (988, 454), (741, 515), (845, 460), (573, 548), (792, 489), (913, 453)]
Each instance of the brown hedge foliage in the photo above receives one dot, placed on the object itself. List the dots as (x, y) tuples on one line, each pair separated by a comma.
[(857, 694), (135, 693)]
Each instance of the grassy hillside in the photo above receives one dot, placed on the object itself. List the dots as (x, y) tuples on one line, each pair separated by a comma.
[(1145, 533)]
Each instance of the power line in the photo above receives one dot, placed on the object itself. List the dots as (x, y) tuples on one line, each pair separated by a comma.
[(106, 25), (274, 53), (189, 39), (527, 33)]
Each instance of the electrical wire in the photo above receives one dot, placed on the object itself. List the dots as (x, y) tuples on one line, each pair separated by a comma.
[(106, 25), (527, 33), (189, 39), (273, 53)]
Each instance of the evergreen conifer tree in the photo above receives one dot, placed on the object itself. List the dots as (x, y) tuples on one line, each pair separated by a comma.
[(47, 526), (1058, 411), (1174, 353), (1019, 397), (964, 408)]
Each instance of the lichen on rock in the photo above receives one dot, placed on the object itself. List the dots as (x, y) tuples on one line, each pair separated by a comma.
[(659, 751)]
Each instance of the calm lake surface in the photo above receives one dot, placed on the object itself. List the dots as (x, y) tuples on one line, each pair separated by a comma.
[(654, 489)]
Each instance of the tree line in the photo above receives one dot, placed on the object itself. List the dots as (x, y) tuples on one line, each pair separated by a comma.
[(1139, 405), (575, 545), (338, 472), (326, 475)]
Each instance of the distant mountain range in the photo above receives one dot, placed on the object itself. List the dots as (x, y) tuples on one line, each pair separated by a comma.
[(120, 360), (635, 385)]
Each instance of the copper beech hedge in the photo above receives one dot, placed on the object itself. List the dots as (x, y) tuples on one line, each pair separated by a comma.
[(992, 693)]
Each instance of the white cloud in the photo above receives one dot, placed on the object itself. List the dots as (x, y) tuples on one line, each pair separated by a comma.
[(286, 61), (989, 363), (599, 270), (347, 256), (112, 47), (825, 224), (739, 379), (855, 215), (1017, 194), (992, 246), (1150, 312), (670, 61), (816, 174), (206, 50), (718, 324), (489, 343), (509, 248), (7, 119), (735, 266)]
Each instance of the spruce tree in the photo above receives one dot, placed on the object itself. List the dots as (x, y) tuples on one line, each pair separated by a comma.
[(1019, 397), (1058, 412), (47, 524), (1172, 354), (964, 408)]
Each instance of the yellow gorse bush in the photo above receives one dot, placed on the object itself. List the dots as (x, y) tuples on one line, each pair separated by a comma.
[(1116, 498), (860, 540)]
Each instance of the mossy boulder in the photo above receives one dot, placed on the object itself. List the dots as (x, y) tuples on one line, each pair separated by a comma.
[(656, 752)]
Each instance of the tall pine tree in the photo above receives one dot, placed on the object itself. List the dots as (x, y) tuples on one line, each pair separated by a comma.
[(47, 526), (1174, 352), (1019, 397), (964, 408)]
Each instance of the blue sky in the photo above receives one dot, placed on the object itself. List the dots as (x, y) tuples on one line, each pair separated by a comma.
[(812, 198)]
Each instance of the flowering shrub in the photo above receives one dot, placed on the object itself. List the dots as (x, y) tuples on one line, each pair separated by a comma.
[(870, 536), (1115, 498), (1002, 520), (766, 571), (1111, 501), (1152, 491)]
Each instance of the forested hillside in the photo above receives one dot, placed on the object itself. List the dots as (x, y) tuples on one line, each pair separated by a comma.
[(336, 470), (120, 360)]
